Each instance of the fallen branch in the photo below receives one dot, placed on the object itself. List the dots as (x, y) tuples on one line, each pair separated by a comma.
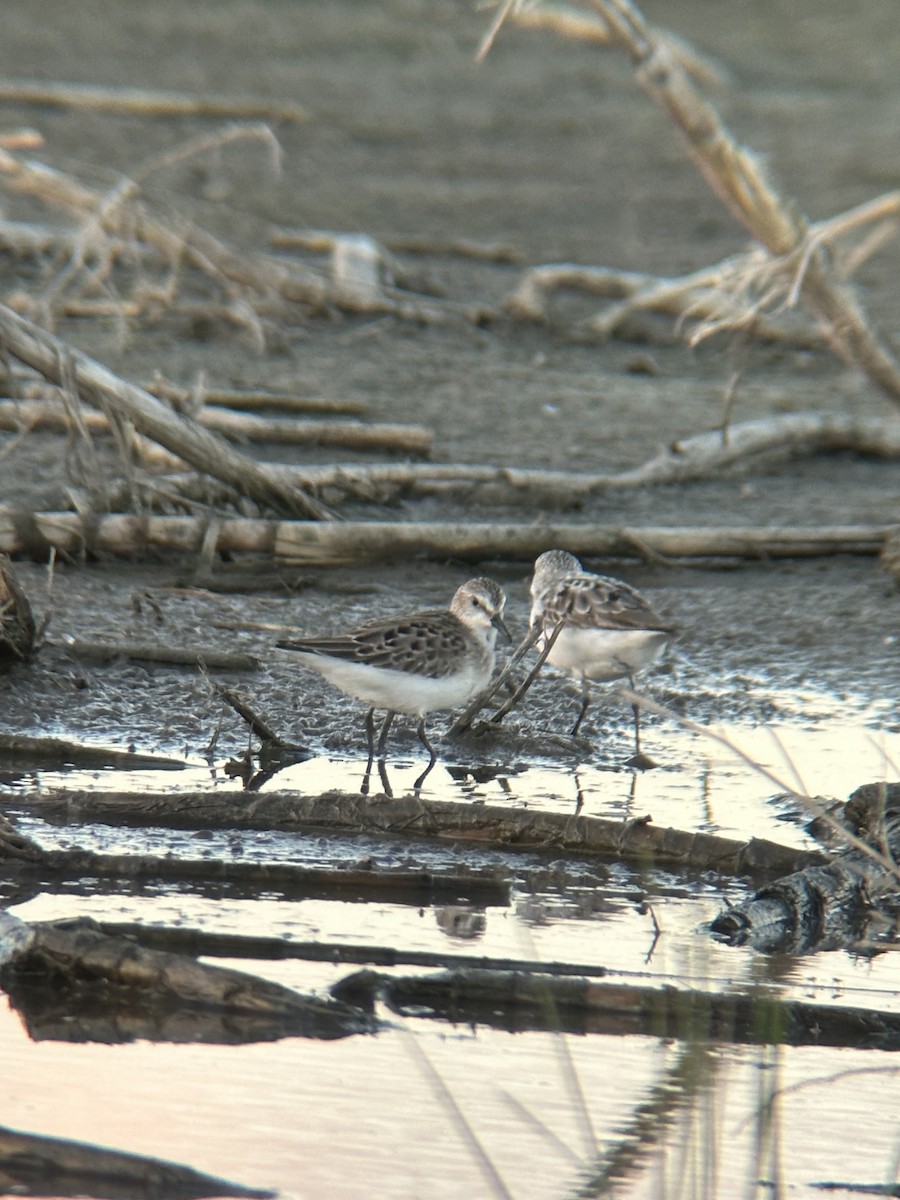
[(704, 456), (258, 726), (487, 825), (353, 435), (206, 944), (62, 364), (313, 543)]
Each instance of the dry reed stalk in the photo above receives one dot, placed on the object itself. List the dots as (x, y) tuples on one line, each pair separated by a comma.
[(409, 439), (795, 266), (119, 224), (144, 102), (122, 401), (568, 20), (333, 543), (704, 295), (189, 400)]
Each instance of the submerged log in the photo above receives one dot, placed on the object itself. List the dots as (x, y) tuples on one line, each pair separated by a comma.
[(118, 990), (31, 1165), (409, 816), (354, 881), (56, 750), (517, 1001), (828, 905)]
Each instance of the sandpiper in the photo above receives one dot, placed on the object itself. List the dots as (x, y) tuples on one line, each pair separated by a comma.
[(416, 663), (607, 630)]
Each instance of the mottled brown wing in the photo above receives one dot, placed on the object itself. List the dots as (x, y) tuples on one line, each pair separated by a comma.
[(598, 602), (426, 643)]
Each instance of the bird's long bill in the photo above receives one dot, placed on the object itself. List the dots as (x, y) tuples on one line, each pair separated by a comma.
[(500, 625)]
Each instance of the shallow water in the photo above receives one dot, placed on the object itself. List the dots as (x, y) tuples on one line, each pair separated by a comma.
[(428, 1108)]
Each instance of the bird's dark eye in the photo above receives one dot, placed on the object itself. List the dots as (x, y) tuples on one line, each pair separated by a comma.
[(474, 602)]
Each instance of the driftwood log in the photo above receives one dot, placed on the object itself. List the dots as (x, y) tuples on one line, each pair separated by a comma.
[(833, 904), (332, 543), (197, 656)]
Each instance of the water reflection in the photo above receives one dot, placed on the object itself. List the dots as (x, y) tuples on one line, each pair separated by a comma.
[(701, 784)]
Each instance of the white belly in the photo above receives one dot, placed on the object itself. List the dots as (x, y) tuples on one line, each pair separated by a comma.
[(606, 654), (382, 688)]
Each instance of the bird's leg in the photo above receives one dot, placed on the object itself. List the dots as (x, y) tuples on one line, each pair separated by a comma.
[(423, 738), (432, 759), (585, 701), (379, 750), (370, 742), (382, 737), (638, 760)]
